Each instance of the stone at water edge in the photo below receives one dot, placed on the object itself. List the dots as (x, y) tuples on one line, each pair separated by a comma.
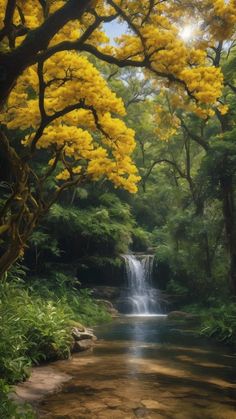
[(82, 340), (109, 307), (152, 404), (44, 380), (86, 334), (83, 345), (106, 293)]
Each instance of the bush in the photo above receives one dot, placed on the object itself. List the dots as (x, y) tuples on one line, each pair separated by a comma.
[(179, 290), (66, 289), (31, 329), (217, 321), (220, 323), (141, 239), (9, 409), (35, 323)]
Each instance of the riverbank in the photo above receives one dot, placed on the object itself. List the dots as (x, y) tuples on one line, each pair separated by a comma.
[(41, 322)]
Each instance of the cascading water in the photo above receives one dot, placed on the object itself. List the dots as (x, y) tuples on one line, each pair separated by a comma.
[(142, 298)]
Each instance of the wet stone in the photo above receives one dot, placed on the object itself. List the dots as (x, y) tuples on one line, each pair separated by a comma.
[(83, 345), (152, 404), (166, 394), (141, 412), (132, 404), (93, 405), (112, 402), (116, 414)]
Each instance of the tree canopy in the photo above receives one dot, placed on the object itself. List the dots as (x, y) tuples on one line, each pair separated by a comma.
[(58, 107)]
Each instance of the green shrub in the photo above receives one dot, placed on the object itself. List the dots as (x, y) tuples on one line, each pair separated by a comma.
[(217, 321), (35, 323), (174, 287), (9, 409), (14, 363), (50, 336), (66, 289), (141, 239), (220, 323)]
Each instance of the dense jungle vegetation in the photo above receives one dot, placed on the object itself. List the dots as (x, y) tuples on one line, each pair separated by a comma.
[(75, 191)]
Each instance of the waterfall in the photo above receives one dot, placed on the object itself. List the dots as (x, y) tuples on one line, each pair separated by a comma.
[(142, 297)]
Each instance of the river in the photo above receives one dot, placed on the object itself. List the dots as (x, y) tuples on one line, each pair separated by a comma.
[(146, 368)]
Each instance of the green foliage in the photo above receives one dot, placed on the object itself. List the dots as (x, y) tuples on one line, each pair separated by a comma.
[(217, 321), (220, 322), (42, 241), (177, 289), (61, 288), (9, 409), (86, 310), (31, 329), (108, 224), (190, 245), (141, 239), (35, 323)]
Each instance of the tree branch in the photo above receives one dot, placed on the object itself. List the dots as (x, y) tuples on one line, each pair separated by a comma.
[(10, 8), (201, 141), (13, 63), (159, 161)]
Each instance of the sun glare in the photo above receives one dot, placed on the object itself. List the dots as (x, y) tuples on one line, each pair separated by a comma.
[(187, 32)]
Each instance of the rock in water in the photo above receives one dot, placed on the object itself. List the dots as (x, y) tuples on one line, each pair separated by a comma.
[(83, 345), (83, 340)]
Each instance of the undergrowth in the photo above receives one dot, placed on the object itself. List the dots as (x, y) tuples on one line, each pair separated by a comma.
[(9, 409), (35, 326), (218, 321)]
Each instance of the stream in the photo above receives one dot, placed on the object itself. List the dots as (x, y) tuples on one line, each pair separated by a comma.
[(146, 367)]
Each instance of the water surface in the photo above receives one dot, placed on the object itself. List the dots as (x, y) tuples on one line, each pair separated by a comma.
[(147, 368)]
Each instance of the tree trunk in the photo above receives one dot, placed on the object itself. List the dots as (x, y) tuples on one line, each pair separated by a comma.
[(10, 256), (226, 183), (208, 267)]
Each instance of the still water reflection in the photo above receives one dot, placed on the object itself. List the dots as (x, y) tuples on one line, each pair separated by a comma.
[(147, 368)]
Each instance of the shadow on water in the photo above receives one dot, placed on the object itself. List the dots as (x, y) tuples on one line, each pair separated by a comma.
[(147, 368)]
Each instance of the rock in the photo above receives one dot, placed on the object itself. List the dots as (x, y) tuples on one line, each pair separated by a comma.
[(44, 380), (109, 307), (176, 315), (81, 335), (94, 405), (112, 414), (141, 412), (152, 404), (83, 345), (77, 325), (112, 402), (82, 339), (105, 292)]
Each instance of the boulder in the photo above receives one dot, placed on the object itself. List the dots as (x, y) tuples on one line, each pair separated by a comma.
[(82, 339), (81, 335), (109, 307), (106, 292), (83, 345)]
